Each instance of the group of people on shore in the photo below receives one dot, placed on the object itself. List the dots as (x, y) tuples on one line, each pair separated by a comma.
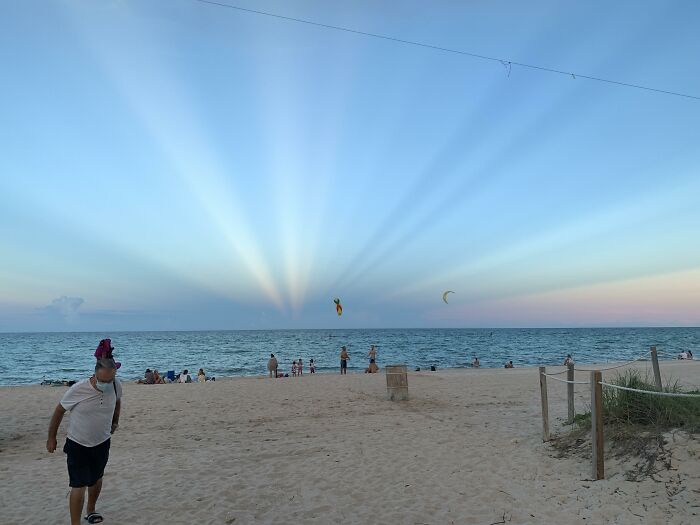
[(153, 377), (297, 368)]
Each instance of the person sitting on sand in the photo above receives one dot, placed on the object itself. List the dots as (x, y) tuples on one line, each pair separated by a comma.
[(569, 360), (344, 361), (312, 366), (509, 364), (148, 378), (373, 368), (185, 376), (690, 354), (300, 367), (272, 365), (294, 369), (201, 376), (683, 355), (157, 379), (475, 363)]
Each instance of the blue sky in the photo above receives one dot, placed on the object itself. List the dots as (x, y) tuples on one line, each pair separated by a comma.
[(168, 164)]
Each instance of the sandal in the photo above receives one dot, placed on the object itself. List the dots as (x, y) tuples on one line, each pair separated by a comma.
[(94, 517)]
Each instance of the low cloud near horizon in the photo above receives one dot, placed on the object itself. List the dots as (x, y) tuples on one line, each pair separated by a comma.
[(66, 307)]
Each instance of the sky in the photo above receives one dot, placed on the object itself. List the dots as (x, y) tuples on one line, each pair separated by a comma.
[(180, 165)]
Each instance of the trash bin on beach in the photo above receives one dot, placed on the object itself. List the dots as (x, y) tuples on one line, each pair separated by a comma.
[(396, 382)]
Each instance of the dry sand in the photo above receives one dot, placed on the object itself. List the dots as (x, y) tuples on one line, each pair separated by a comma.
[(465, 449)]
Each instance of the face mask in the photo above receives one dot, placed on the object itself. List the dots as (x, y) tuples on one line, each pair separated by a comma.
[(102, 387)]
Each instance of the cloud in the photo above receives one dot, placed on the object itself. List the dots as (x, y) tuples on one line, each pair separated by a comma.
[(66, 307)]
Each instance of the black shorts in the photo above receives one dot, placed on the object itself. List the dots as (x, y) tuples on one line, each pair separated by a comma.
[(86, 465), (343, 363)]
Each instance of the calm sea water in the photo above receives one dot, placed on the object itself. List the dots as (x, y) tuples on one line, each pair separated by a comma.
[(29, 358)]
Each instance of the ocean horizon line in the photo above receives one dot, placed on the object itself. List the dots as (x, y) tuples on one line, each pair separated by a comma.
[(195, 330)]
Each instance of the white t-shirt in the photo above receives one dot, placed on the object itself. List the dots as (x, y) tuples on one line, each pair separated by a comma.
[(91, 412)]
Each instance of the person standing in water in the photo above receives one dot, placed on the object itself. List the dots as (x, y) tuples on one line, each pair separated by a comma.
[(344, 361), (272, 365), (372, 354)]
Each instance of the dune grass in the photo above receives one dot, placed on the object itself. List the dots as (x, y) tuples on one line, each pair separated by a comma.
[(621, 407)]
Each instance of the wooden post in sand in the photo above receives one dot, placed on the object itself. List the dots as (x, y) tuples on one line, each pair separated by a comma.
[(655, 366), (597, 438), (545, 405), (570, 391), (396, 382)]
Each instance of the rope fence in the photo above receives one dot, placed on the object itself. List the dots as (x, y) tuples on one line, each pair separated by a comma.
[(640, 358), (565, 380), (596, 383), (652, 392), (556, 373)]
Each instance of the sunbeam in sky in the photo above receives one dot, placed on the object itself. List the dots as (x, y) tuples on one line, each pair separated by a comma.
[(181, 165), (154, 96)]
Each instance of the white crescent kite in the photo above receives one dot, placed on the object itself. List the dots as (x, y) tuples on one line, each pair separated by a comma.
[(444, 296)]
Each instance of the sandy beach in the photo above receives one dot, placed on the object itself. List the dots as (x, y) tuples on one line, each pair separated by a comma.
[(465, 449)]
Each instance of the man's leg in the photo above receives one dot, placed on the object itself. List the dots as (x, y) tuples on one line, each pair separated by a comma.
[(77, 498), (93, 494)]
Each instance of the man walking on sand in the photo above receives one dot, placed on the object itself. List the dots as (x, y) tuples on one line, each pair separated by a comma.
[(94, 405)]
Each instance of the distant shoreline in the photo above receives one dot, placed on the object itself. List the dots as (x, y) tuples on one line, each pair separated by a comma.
[(411, 371)]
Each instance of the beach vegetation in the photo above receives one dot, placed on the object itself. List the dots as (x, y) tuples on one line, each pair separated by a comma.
[(637, 425)]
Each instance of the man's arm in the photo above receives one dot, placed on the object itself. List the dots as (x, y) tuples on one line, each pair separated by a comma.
[(115, 417), (53, 427)]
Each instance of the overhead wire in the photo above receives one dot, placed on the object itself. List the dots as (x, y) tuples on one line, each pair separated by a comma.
[(503, 61)]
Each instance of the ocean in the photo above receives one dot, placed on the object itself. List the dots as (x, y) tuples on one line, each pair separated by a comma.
[(29, 358)]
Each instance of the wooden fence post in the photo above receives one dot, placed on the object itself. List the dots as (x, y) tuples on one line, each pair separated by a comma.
[(545, 406), (570, 391), (655, 366), (597, 438)]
